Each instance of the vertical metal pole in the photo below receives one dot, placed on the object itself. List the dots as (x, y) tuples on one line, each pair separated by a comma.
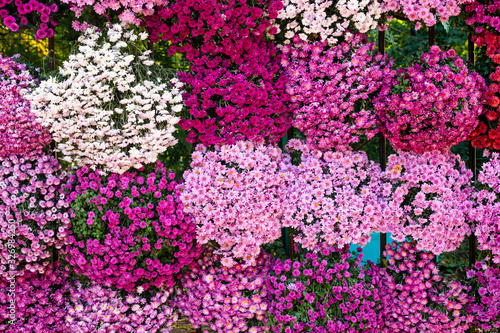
[(432, 35), (382, 147), (52, 54), (151, 47)]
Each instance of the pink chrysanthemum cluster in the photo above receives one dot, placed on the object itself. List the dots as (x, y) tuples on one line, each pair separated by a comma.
[(235, 90), (428, 198), (38, 301), (20, 133), (332, 89), (129, 230), (485, 281), (486, 213), (416, 298), (484, 13), (225, 299), (434, 104), (323, 292), (18, 12), (33, 212), (236, 195), (129, 10), (424, 11), (98, 309), (332, 197)]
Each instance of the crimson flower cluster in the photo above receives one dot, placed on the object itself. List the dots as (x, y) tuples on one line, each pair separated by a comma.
[(434, 105), (129, 230), (486, 22), (332, 89), (39, 301), (20, 133), (29, 13), (415, 297), (235, 90), (323, 292), (487, 133)]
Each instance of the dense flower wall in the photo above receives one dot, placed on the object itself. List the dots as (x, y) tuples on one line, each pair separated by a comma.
[(275, 102)]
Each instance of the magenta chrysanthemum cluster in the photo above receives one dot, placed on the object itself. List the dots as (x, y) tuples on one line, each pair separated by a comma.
[(427, 197), (129, 230), (484, 13), (235, 90), (416, 298), (98, 309), (485, 280), (32, 12), (20, 133), (225, 299), (433, 105), (332, 197), (34, 217), (323, 292), (236, 195), (332, 89), (39, 301)]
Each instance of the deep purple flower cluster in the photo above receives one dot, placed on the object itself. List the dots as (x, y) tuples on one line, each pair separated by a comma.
[(20, 133), (234, 87), (129, 230), (485, 281), (416, 298), (433, 105), (32, 12), (39, 302), (225, 299), (34, 216), (324, 292), (332, 89)]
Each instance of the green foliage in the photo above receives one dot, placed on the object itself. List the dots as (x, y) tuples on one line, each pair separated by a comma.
[(404, 44)]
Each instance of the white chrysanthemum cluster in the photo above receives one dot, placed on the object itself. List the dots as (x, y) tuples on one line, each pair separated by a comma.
[(325, 19), (109, 107)]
